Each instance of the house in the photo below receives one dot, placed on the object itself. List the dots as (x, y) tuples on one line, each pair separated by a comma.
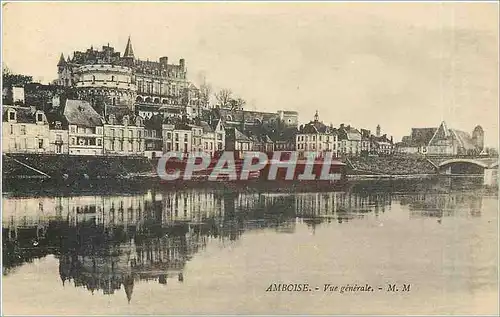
[(178, 136), (85, 128), (24, 130), (315, 136), (381, 145), (284, 140), (237, 141), (213, 136), (349, 141), (58, 133), (153, 141), (417, 142), (124, 134)]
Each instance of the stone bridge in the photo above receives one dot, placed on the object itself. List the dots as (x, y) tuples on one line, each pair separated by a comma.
[(487, 165)]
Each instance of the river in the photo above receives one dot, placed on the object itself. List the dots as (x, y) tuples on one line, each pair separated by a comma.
[(214, 251)]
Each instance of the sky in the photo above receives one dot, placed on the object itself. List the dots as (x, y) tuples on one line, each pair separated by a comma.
[(400, 65)]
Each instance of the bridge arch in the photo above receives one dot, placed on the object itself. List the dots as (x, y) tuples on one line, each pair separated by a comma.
[(463, 161)]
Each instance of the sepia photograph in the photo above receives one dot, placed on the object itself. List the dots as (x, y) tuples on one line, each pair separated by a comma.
[(250, 158)]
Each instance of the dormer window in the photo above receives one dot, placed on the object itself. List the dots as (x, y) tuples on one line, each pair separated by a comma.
[(58, 125), (39, 117), (12, 115)]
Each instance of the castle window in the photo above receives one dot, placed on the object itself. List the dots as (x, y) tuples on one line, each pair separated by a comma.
[(39, 117), (12, 115)]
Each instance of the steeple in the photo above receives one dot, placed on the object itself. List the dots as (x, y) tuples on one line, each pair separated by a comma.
[(129, 52), (316, 116), (62, 61)]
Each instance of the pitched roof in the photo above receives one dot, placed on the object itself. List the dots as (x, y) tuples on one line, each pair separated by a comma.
[(81, 113)]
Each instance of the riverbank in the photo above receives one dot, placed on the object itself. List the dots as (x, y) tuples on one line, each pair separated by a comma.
[(390, 165)]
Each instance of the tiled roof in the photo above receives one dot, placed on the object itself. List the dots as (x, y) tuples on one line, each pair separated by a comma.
[(23, 114), (421, 136), (464, 139), (81, 113), (206, 127)]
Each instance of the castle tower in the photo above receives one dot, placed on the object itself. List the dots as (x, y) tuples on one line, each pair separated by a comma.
[(128, 56), (129, 52), (378, 130)]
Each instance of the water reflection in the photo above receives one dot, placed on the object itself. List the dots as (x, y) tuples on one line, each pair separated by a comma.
[(106, 243)]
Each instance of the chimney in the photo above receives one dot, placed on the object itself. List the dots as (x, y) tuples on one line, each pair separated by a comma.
[(182, 63)]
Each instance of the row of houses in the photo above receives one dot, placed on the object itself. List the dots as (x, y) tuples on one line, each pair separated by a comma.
[(316, 136), (77, 129)]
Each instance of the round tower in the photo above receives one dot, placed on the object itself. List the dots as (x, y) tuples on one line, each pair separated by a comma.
[(103, 84)]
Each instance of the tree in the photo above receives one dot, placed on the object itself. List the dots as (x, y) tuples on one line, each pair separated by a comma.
[(205, 93), (224, 97)]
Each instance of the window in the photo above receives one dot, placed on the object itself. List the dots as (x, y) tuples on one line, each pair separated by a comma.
[(206, 145), (72, 129), (39, 117), (12, 115), (99, 142), (73, 141), (185, 137), (23, 129), (169, 135), (177, 137), (130, 133), (219, 136), (320, 137), (40, 143), (176, 146), (121, 145), (11, 129), (58, 137), (99, 130), (112, 78), (139, 134), (93, 79)]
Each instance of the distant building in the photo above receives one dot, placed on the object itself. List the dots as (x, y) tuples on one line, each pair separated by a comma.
[(478, 137), (441, 141)]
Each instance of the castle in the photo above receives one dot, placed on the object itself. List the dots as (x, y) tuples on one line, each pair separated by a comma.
[(107, 79)]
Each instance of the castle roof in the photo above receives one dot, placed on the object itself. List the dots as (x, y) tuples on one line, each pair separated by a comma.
[(129, 52)]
